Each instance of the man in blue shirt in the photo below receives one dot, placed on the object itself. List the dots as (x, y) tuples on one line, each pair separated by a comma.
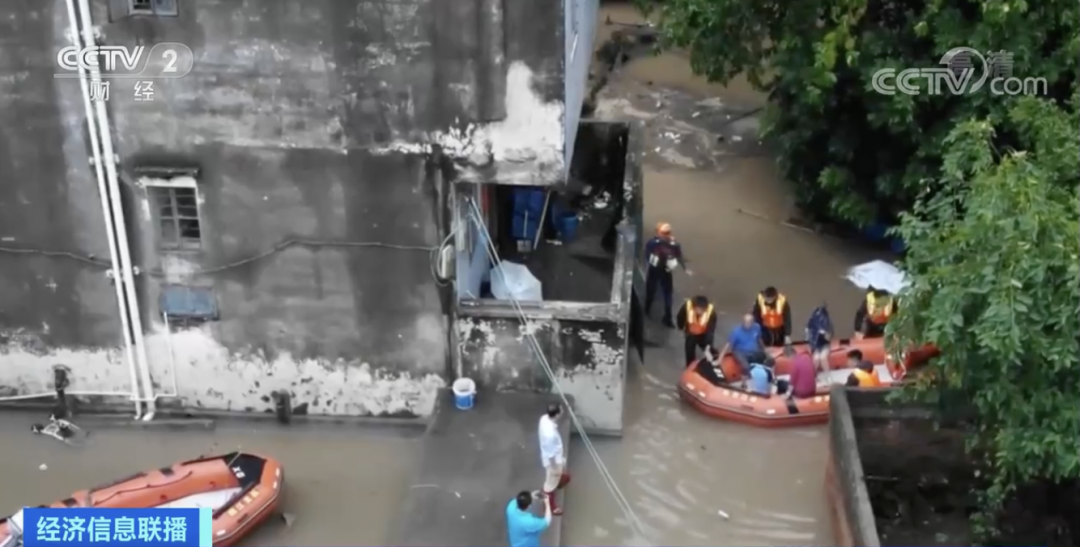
[(523, 526), (745, 344)]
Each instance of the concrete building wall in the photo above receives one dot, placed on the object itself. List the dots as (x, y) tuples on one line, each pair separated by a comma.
[(588, 359), (57, 303), (580, 20), (586, 346), (321, 137)]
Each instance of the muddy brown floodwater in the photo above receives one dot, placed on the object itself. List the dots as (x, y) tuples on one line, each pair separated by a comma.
[(344, 484), (678, 469)]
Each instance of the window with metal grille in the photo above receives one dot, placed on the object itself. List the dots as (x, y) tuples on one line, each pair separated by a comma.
[(178, 218), (152, 7)]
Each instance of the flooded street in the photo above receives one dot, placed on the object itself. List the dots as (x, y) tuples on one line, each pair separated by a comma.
[(678, 469), (726, 203), (343, 483)]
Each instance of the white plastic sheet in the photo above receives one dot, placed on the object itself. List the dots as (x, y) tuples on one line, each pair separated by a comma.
[(511, 281), (878, 274)]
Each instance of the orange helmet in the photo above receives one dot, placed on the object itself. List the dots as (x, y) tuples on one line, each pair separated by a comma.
[(663, 228)]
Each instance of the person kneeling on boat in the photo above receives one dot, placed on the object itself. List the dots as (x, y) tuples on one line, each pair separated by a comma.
[(744, 344), (524, 527), (708, 367), (762, 378), (874, 313), (698, 323), (863, 374)]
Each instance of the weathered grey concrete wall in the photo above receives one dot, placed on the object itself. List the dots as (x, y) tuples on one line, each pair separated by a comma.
[(57, 306), (862, 419), (319, 130), (588, 359), (580, 19), (586, 344), (849, 503)]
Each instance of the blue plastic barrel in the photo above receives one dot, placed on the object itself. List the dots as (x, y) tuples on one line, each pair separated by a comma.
[(875, 232), (898, 246), (464, 393), (568, 226)]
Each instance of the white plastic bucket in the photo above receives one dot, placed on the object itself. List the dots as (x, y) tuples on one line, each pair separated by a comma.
[(464, 393)]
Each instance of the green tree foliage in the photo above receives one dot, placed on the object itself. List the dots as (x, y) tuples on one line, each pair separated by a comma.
[(994, 261), (855, 154)]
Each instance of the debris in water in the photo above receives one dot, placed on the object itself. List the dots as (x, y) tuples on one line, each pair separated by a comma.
[(288, 519), (723, 514), (696, 114), (457, 494), (43, 467), (736, 138)]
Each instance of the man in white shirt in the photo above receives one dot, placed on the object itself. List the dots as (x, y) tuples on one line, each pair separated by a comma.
[(552, 455)]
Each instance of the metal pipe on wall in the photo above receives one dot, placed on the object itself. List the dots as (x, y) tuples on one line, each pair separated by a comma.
[(103, 192), (120, 223)]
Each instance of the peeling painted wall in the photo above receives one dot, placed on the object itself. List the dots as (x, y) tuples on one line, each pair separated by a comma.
[(318, 129), (588, 360), (586, 345)]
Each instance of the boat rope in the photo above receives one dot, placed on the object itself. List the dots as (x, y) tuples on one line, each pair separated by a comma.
[(632, 520)]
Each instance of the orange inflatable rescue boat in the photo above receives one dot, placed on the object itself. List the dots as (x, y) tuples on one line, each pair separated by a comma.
[(243, 489), (727, 401)]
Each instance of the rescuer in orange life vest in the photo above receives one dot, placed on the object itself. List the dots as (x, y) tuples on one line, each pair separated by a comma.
[(874, 313), (772, 312), (863, 374), (698, 323)]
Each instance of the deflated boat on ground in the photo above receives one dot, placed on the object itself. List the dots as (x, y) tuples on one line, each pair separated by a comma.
[(242, 489), (717, 393)]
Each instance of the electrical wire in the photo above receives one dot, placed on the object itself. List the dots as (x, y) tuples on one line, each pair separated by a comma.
[(58, 254), (624, 505), (242, 262)]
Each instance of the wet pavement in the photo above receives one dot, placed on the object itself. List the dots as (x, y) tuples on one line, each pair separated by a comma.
[(472, 464)]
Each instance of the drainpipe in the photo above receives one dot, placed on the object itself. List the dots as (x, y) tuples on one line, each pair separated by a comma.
[(126, 268), (103, 192)]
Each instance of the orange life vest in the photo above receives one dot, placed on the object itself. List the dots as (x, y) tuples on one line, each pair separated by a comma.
[(697, 325), (878, 313), (867, 379), (772, 317)]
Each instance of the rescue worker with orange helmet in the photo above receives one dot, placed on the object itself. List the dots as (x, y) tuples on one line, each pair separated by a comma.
[(863, 373), (874, 313), (773, 313), (697, 320), (662, 255)]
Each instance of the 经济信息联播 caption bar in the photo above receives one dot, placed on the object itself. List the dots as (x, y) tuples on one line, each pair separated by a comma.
[(90, 526)]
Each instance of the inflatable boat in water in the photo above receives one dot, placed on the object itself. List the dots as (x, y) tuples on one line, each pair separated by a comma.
[(719, 393), (242, 489)]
